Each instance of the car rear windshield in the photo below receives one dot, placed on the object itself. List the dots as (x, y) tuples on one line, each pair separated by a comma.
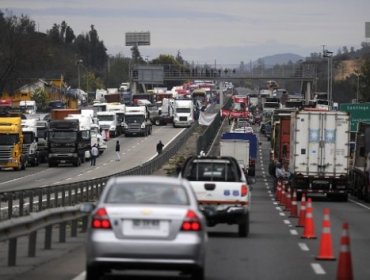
[(223, 171), (147, 193)]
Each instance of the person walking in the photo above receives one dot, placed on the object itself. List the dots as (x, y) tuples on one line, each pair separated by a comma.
[(94, 154), (118, 149), (159, 147)]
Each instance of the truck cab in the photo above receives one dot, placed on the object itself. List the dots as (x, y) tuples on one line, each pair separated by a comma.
[(137, 121), (11, 144), (30, 141), (183, 113), (109, 122)]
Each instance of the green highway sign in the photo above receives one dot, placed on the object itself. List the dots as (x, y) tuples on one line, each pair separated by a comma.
[(359, 112)]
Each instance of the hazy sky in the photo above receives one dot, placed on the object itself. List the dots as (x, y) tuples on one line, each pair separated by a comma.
[(209, 31)]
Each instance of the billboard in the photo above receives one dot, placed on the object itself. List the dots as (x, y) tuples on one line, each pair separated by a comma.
[(359, 112), (148, 74), (137, 38)]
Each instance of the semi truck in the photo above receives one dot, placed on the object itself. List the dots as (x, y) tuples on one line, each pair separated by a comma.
[(183, 113), (30, 141), (360, 171), (137, 121), (11, 144), (109, 122), (319, 152), (42, 127), (65, 143)]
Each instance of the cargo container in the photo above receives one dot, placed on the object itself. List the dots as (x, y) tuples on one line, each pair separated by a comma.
[(319, 152), (252, 139), (60, 114)]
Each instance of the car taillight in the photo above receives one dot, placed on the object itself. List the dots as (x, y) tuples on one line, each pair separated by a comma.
[(191, 222), (101, 220), (252, 162), (244, 190)]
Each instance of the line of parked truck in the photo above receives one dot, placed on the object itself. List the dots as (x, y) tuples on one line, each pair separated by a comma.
[(327, 154)]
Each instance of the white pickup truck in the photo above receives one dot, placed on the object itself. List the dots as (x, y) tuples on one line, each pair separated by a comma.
[(222, 190)]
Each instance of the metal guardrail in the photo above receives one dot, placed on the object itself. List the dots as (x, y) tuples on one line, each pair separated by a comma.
[(205, 140), (11, 230)]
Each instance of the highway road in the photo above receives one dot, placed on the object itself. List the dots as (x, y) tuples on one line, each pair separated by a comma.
[(134, 151), (273, 250)]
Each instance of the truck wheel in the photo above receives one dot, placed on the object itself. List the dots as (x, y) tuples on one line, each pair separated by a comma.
[(157, 122), (243, 227)]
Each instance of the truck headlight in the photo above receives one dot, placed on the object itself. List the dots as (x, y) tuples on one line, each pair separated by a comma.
[(112, 127), (143, 125), (125, 125)]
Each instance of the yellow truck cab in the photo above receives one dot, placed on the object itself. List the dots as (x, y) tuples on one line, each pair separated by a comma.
[(11, 141)]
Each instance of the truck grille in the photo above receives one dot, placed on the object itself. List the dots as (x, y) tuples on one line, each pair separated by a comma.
[(62, 150), (133, 127), (104, 127), (183, 119), (25, 149), (5, 153)]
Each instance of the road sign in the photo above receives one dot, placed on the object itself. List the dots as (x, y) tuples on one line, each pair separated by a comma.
[(359, 112)]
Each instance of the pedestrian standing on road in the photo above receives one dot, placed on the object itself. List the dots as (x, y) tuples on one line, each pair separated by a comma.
[(118, 149), (94, 154), (159, 147)]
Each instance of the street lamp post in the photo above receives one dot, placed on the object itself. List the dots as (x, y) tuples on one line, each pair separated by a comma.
[(329, 56), (358, 87)]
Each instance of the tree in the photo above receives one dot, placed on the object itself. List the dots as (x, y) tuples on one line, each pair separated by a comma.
[(365, 80), (135, 55), (41, 98)]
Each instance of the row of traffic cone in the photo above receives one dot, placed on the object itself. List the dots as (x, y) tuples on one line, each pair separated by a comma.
[(305, 220)]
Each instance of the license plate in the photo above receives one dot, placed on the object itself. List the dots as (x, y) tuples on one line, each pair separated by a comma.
[(145, 227), (62, 161), (145, 224)]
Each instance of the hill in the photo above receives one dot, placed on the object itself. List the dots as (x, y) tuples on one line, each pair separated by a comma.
[(283, 58)]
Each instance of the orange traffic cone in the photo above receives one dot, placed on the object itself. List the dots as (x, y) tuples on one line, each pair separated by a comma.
[(326, 244), (302, 211), (309, 226), (294, 208), (344, 271)]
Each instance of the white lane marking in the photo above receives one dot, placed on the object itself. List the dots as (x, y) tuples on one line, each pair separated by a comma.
[(293, 232), (317, 268), (303, 246), (359, 204), (68, 179), (287, 222), (276, 203), (282, 214), (16, 179), (278, 208)]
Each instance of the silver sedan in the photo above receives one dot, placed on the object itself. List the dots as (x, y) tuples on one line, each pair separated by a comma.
[(146, 222)]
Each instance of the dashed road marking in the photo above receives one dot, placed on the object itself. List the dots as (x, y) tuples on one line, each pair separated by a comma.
[(293, 232), (317, 268), (287, 222), (303, 246)]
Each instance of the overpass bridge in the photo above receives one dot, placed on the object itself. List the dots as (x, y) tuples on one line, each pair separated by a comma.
[(158, 74)]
